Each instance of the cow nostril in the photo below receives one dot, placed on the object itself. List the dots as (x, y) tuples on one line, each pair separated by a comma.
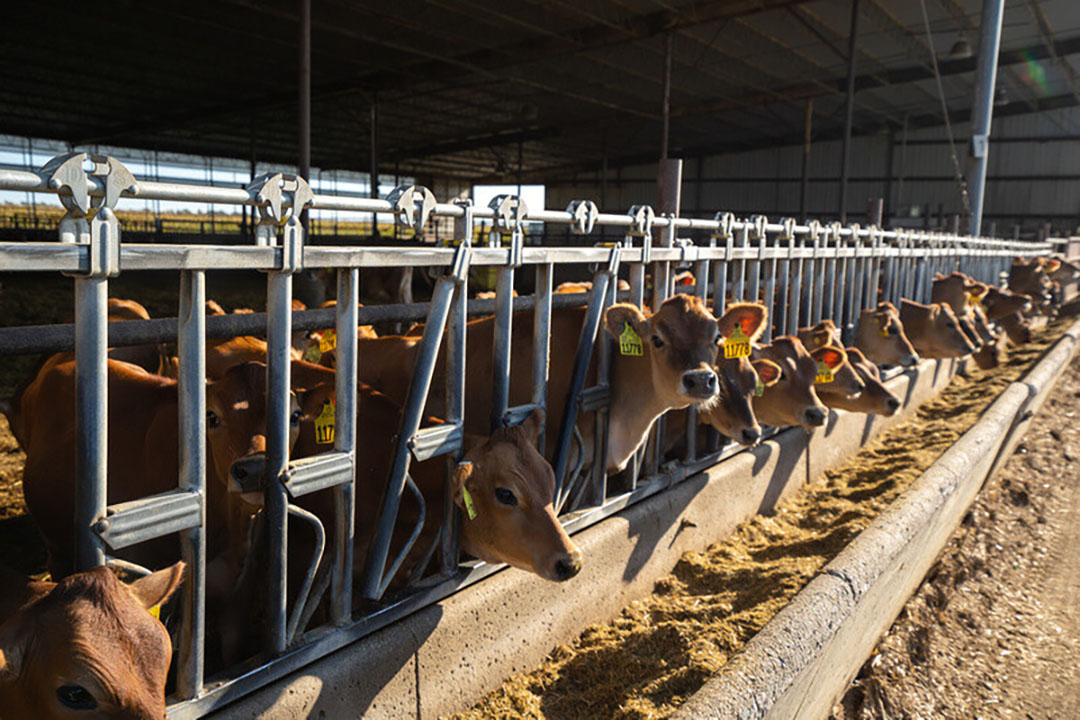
[(815, 416), (751, 435), (567, 568), (239, 472), (893, 403)]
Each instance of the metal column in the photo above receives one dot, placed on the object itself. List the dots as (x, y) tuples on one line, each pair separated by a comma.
[(983, 109), (849, 111)]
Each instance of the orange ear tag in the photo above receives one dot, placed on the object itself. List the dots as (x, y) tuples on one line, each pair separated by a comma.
[(824, 373), (630, 341), (738, 345), (324, 424)]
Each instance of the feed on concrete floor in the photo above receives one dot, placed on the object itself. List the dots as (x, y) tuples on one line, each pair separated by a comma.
[(993, 631), (659, 650)]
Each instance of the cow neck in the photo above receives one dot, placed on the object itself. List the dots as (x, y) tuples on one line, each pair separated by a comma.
[(633, 407)]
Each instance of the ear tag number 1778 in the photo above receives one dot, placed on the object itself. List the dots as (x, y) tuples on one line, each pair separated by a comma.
[(630, 341), (738, 345)]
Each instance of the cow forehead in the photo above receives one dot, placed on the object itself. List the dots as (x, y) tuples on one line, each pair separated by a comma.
[(684, 318)]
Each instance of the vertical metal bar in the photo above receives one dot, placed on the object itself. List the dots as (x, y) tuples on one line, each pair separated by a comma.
[(983, 108), (738, 290), (455, 398), (602, 419), (829, 285), (191, 392), (91, 419), (278, 342), (345, 398), (542, 337), (813, 270), (500, 351), (304, 99), (795, 292), (770, 291), (849, 110)]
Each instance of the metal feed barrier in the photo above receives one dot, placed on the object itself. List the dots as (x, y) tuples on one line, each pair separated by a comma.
[(803, 273)]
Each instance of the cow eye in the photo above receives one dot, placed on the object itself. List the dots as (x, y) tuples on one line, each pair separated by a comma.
[(76, 697), (294, 419), (719, 338), (657, 342), (505, 496), (212, 420)]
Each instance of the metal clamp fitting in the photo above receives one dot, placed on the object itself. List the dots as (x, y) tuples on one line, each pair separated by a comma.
[(413, 205), (726, 222), (463, 226), (641, 222), (459, 267), (787, 231), (585, 213), (814, 230), (832, 232), (292, 245), (757, 227), (510, 212), (269, 195), (688, 251)]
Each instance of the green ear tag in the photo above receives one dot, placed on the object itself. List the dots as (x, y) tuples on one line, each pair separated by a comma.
[(630, 341), (760, 389), (313, 354), (469, 507), (824, 374), (738, 345)]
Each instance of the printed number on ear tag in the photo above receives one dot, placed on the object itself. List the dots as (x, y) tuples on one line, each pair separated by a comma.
[(328, 341), (324, 424), (629, 341), (759, 390), (313, 354), (470, 508), (824, 374), (738, 345)]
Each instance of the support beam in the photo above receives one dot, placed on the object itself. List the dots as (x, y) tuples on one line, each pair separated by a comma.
[(374, 171), (983, 109), (804, 187), (849, 109), (304, 99)]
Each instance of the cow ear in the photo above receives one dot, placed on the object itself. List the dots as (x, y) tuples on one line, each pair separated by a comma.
[(1053, 265), (768, 371), (212, 308), (534, 425), (833, 357), (819, 339), (750, 317), (462, 472), (620, 315), (938, 276), (156, 588)]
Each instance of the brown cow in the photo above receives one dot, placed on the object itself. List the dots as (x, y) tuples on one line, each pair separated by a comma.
[(934, 330), (792, 400), (1017, 328), (85, 646), (952, 290), (1030, 278), (584, 286), (1000, 303), (845, 381), (510, 488), (148, 357), (875, 399), (880, 336)]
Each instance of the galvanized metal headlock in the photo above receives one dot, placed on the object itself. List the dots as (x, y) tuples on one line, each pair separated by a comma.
[(585, 213), (726, 225), (413, 205), (832, 232), (510, 212), (855, 228), (787, 229), (270, 189), (688, 252), (88, 221), (641, 222), (757, 227), (814, 230)]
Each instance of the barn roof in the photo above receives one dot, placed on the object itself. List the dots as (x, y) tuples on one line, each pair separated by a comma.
[(464, 86)]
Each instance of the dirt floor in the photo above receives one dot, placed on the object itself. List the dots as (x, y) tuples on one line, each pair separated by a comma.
[(659, 650), (994, 630)]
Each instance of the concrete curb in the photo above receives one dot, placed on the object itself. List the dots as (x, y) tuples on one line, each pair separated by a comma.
[(445, 657), (804, 658)]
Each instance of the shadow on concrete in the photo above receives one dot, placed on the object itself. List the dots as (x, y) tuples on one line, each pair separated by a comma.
[(787, 447), (646, 531)]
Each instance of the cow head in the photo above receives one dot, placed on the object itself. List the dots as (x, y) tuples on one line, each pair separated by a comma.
[(1017, 328), (934, 330), (679, 343), (235, 429), (875, 399), (880, 336), (1002, 303), (845, 381), (791, 400), (1030, 278), (506, 491), (733, 413), (87, 646)]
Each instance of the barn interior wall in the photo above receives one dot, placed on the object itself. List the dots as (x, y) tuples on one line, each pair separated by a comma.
[(1032, 178)]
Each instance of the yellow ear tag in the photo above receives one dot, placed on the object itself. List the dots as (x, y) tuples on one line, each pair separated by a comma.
[(469, 507), (324, 424), (824, 374), (630, 341), (883, 331), (313, 354), (738, 345), (328, 341), (155, 610), (759, 390), (974, 299)]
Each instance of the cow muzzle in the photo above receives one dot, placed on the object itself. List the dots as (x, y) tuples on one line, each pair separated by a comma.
[(567, 566), (699, 384), (910, 360), (814, 417), (246, 474)]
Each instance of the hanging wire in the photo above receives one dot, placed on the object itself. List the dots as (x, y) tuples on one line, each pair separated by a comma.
[(959, 174)]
